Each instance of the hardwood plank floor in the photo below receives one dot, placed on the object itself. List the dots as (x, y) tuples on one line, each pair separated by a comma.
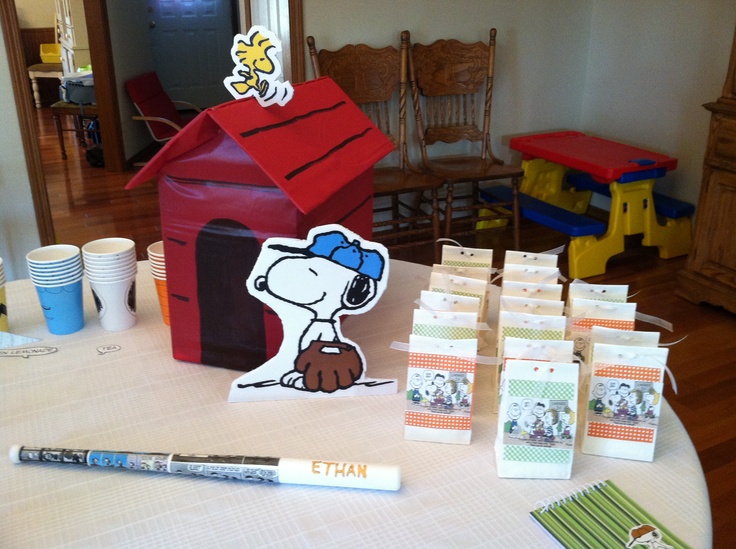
[(90, 203)]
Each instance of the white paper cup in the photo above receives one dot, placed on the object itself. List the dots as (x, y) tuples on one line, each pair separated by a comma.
[(52, 267), (109, 260), (115, 303), (156, 250), (106, 248), (57, 281), (55, 267), (70, 263), (56, 254), (93, 272), (70, 268), (56, 273), (112, 259), (110, 265), (111, 279), (158, 271)]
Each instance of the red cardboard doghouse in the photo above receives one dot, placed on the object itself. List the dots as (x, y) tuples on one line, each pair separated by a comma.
[(238, 174)]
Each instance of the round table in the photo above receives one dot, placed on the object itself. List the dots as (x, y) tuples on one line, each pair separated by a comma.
[(124, 391)]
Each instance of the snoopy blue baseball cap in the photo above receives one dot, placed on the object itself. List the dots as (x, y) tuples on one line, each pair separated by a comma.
[(334, 246)]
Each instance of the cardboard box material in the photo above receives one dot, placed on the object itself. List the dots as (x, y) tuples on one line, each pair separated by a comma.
[(237, 175)]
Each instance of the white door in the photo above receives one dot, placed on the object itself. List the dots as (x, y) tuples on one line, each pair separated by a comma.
[(191, 41)]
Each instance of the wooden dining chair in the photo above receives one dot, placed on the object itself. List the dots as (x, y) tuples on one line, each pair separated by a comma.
[(452, 91), (406, 204)]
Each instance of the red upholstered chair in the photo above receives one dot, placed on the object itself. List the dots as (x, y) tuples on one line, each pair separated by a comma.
[(155, 106)]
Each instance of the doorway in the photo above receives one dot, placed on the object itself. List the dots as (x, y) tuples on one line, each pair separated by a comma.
[(190, 42), (106, 89)]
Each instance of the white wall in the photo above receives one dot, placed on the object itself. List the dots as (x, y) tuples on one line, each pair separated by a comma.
[(18, 229), (274, 15), (34, 14), (131, 41), (651, 67), (541, 50), (631, 71)]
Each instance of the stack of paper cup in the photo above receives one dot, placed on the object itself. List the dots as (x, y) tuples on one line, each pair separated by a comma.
[(56, 272), (158, 271), (110, 266), (3, 301)]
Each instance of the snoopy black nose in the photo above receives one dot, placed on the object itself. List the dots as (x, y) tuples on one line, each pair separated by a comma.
[(261, 284)]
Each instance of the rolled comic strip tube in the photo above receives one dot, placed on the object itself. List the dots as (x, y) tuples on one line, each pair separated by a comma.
[(260, 469)]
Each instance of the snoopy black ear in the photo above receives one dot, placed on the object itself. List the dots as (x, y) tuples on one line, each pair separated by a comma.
[(360, 291)]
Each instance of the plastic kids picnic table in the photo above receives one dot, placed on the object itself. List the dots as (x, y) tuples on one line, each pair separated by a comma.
[(626, 173)]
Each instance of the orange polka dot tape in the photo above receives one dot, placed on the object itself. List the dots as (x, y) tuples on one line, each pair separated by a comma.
[(436, 421), (636, 373), (585, 324), (620, 432), (441, 362)]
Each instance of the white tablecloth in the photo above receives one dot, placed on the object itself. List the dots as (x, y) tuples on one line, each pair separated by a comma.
[(87, 394)]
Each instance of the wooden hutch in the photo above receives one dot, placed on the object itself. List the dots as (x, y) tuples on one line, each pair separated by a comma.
[(710, 273)]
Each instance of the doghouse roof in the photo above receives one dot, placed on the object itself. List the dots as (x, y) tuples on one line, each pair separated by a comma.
[(311, 147)]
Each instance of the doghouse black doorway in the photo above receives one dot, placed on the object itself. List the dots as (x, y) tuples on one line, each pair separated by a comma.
[(232, 329)]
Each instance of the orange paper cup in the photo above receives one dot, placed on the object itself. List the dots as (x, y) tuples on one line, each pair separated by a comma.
[(163, 299)]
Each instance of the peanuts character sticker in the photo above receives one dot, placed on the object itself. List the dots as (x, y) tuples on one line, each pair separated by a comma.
[(624, 402), (536, 421), (648, 536), (439, 396)]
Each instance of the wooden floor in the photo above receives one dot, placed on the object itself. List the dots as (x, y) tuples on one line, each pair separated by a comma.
[(90, 203)]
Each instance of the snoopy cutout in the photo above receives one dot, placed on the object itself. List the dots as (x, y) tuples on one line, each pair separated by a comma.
[(311, 284), (648, 536)]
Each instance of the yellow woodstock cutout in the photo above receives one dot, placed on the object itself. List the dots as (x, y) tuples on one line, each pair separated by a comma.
[(257, 71)]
